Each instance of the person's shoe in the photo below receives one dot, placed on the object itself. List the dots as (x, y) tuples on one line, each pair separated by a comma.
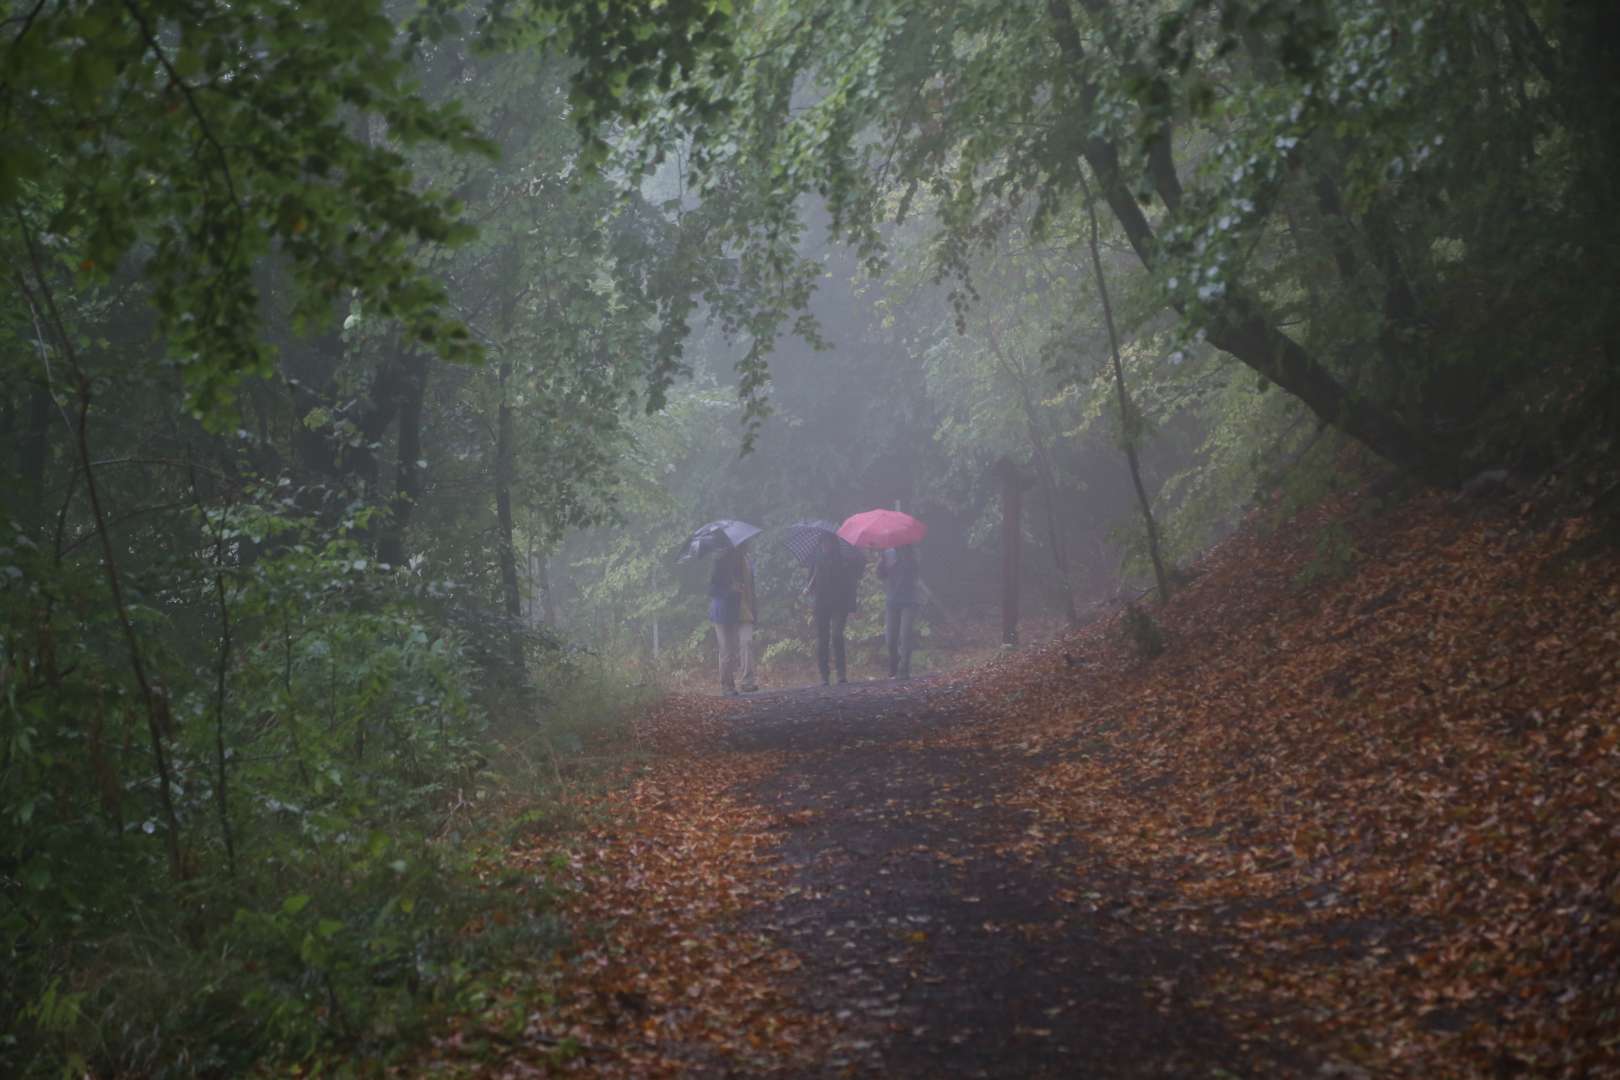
[(730, 691), (827, 682), (842, 680), (749, 688)]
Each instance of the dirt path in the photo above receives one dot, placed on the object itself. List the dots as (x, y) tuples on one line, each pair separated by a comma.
[(940, 942)]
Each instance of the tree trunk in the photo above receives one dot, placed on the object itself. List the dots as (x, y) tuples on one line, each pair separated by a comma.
[(539, 590), (1044, 470), (505, 550), (159, 717), (34, 446), (1013, 483), (1127, 416), (222, 663), (311, 370), (509, 263), (1239, 325), (412, 388)]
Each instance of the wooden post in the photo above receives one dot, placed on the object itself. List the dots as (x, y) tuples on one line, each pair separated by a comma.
[(1013, 483)]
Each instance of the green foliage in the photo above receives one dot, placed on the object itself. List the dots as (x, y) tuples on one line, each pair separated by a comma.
[(1363, 177), (306, 568), (193, 145), (348, 728), (788, 653), (589, 703)]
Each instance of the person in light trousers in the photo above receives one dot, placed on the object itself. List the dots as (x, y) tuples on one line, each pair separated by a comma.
[(898, 569), (733, 611)]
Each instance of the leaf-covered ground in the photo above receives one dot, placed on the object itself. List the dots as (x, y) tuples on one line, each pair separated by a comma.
[(1358, 828)]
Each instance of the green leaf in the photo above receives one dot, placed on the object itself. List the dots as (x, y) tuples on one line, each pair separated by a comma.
[(188, 62), (93, 72)]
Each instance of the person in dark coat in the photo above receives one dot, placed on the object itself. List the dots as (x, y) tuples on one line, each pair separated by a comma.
[(898, 569), (834, 582)]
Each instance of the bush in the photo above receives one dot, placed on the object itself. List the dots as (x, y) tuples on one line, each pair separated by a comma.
[(787, 654), (313, 902), (1143, 633)]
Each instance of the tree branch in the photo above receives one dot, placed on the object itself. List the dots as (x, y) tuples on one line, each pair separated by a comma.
[(1238, 324), (192, 107), (158, 720), (1127, 418)]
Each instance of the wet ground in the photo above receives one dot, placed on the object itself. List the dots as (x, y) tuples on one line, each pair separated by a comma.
[(944, 946)]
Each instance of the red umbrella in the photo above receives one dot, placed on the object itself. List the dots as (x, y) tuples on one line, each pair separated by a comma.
[(882, 529)]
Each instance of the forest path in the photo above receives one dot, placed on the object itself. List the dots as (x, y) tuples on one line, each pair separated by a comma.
[(1362, 828), (938, 940)]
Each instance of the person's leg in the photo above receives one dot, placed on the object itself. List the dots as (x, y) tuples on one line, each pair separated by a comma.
[(908, 638), (891, 634), (823, 628), (745, 655), (724, 636), (838, 621)]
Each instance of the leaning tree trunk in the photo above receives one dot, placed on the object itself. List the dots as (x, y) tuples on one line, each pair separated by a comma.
[(1127, 417), (1238, 324)]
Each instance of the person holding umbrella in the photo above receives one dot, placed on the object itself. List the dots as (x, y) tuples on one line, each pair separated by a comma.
[(733, 611), (835, 575), (732, 607), (895, 533), (897, 567)]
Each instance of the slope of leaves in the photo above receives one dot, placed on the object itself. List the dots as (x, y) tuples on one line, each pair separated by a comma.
[(657, 981), (1390, 797)]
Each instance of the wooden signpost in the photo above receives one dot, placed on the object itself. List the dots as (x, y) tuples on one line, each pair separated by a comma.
[(1014, 482)]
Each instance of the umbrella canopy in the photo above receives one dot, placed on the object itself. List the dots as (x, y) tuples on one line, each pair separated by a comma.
[(802, 538), (717, 536), (882, 529)]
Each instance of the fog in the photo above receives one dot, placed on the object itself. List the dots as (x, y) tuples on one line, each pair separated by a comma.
[(893, 404)]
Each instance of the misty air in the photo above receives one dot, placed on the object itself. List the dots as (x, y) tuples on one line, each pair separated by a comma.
[(738, 538)]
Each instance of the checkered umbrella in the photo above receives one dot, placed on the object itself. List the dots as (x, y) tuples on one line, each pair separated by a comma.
[(802, 538)]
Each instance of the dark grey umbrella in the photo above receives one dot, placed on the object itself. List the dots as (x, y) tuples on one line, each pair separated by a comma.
[(721, 535), (804, 537)]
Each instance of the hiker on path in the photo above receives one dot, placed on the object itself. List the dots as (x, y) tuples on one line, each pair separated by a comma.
[(898, 569), (834, 581), (733, 611)]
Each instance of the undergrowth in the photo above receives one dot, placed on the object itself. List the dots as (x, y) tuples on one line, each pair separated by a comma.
[(351, 927)]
